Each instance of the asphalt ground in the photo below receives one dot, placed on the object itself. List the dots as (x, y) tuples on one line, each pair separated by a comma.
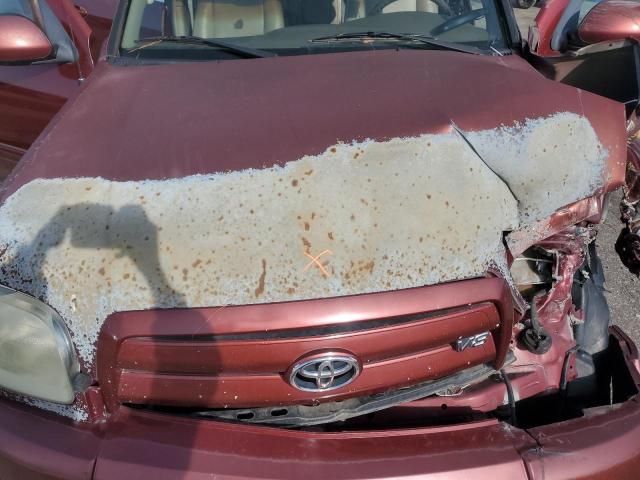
[(623, 288)]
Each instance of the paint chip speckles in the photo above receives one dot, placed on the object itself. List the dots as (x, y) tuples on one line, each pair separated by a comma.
[(75, 412), (359, 218)]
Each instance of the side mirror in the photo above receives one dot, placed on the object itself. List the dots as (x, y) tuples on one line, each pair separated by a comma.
[(22, 41), (611, 20)]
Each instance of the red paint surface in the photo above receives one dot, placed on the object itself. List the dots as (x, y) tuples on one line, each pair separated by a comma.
[(306, 104), (243, 390), (326, 100), (133, 444), (22, 40), (611, 20), (153, 357), (546, 23), (601, 445), (31, 95)]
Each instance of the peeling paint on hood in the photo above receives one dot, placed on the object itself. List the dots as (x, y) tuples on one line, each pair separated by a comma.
[(548, 163), (364, 217)]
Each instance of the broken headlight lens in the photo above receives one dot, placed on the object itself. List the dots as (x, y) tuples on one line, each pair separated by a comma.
[(36, 354)]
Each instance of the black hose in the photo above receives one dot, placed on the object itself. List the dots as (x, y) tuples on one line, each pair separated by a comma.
[(535, 321), (565, 367), (510, 397)]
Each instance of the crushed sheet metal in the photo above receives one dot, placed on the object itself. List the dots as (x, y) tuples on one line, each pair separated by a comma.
[(366, 217)]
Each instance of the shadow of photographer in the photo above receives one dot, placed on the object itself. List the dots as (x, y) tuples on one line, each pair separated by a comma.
[(113, 234)]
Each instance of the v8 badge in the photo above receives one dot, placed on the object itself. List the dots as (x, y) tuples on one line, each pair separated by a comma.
[(473, 341)]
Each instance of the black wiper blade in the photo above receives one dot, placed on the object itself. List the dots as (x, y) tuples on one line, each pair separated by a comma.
[(359, 35), (454, 47), (409, 37), (246, 52)]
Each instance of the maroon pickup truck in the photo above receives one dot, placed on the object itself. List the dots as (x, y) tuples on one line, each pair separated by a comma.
[(315, 239)]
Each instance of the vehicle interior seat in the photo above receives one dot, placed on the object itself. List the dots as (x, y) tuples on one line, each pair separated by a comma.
[(411, 6), (236, 18), (181, 17), (398, 6)]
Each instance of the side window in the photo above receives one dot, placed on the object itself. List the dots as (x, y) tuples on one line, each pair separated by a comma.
[(152, 18), (306, 12), (146, 18)]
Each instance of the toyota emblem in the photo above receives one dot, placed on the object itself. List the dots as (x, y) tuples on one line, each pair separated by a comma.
[(323, 373)]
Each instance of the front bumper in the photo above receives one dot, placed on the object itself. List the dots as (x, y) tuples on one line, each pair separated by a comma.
[(605, 443)]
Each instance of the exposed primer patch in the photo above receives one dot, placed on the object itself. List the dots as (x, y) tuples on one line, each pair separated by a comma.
[(547, 162), (359, 218)]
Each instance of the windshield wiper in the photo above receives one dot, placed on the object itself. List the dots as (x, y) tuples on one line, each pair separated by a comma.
[(230, 47), (410, 37)]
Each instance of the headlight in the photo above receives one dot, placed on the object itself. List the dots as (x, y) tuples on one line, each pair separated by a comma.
[(36, 354)]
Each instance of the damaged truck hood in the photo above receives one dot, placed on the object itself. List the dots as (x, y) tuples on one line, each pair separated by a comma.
[(277, 179)]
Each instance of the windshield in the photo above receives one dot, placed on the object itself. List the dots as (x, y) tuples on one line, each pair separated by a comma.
[(175, 29)]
